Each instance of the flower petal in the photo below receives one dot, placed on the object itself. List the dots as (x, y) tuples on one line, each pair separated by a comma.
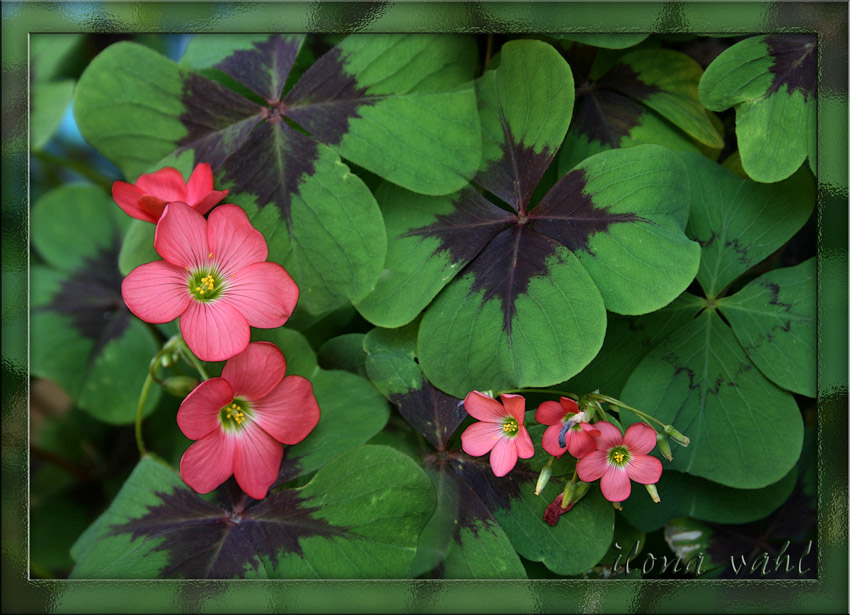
[(550, 440), (256, 462), (255, 371), (549, 413), (128, 198), (590, 429), (289, 412), (592, 466), (213, 198), (609, 436), (503, 456), (480, 438), (208, 462), (569, 405), (515, 405), (640, 438), (615, 484), (524, 445), (181, 236), (200, 183), (198, 414), (644, 469), (580, 443), (264, 293), (484, 408), (156, 292), (233, 241), (214, 331), (166, 184)]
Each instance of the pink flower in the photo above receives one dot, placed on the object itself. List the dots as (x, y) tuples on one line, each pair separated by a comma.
[(618, 459), (242, 420), (150, 194), (214, 277), (568, 425), (500, 432)]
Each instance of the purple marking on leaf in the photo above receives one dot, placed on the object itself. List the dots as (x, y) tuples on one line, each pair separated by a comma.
[(264, 68), (505, 251), (516, 174), (607, 109), (326, 98), (218, 120), (795, 62), (505, 267), (431, 412), (568, 215), (494, 492), (204, 541), (607, 117), (464, 232), (91, 296), (270, 164)]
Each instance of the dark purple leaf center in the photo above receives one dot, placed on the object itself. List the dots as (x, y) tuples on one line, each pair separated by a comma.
[(795, 62), (204, 541), (91, 296)]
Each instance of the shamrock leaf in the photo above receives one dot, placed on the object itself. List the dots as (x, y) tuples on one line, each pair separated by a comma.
[(647, 96), (770, 80), (83, 336), (552, 268), (359, 517), (374, 100)]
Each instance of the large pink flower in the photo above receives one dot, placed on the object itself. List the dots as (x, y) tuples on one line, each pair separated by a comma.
[(150, 194), (214, 277), (500, 432), (564, 418), (242, 420), (618, 459)]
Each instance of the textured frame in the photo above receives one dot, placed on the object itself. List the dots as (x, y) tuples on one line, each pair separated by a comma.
[(826, 594)]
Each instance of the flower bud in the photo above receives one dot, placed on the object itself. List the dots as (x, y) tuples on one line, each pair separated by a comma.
[(543, 479), (554, 510), (653, 493), (179, 386), (677, 436), (664, 446), (580, 491), (569, 490)]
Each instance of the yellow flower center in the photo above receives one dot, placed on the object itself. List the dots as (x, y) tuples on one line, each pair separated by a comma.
[(510, 427), (233, 415), (618, 457), (205, 284)]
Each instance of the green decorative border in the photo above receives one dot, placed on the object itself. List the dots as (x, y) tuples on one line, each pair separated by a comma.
[(827, 594)]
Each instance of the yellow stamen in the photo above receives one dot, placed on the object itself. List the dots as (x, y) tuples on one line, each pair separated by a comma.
[(618, 457)]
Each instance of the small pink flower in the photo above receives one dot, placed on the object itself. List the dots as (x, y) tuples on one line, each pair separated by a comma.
[(215, 277), (567, 425), (150, 194), (500, 432), (618, 459), (242, 420)]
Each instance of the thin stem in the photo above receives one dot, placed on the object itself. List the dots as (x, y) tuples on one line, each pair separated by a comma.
[(616, 403), (553, 391), (77, 167), (143, 397), (191, 358), (489, 50)]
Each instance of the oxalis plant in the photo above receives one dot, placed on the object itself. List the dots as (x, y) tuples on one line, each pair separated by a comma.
[(435, 306)]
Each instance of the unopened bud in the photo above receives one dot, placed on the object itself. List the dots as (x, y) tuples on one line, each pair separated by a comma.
[(580, 491), (569, 491), (179, 386), (543, 479), (653, 493), (677, 436), (664, 446), (168, 359)]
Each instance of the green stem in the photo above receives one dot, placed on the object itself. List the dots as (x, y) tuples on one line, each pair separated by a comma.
[(616, 403), (191, 358), (551, 391), (77, 167), (143, 397)]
